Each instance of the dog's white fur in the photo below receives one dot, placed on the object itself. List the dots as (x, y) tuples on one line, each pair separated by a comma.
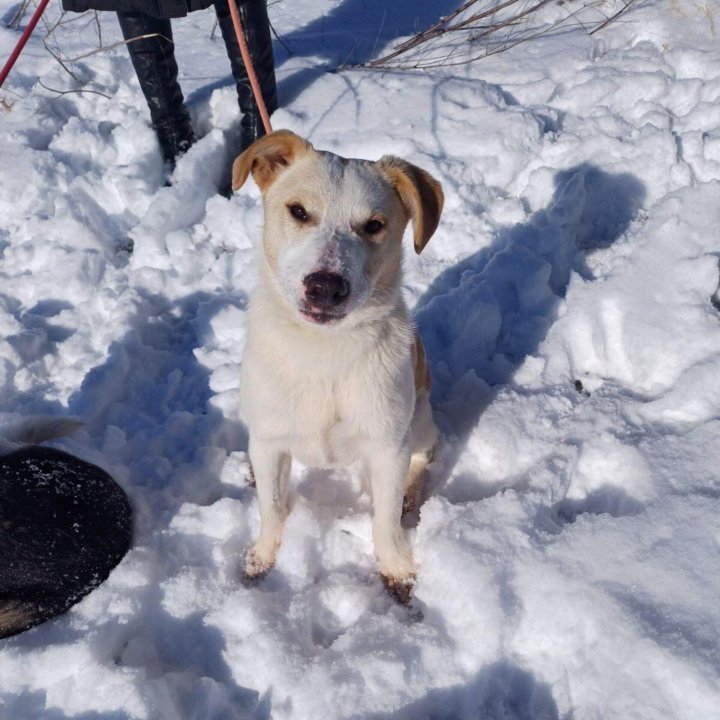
[(354, 387)]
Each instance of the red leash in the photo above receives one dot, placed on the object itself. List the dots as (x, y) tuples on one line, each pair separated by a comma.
[(23, 39), (245, 52)]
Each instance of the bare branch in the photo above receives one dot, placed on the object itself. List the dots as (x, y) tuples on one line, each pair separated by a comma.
[(105, 48), (495, 26), (72, 92), (279, 37), (612, 18), (19, 15)]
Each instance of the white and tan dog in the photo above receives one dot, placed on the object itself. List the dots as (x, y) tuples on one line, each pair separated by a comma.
[(333, 372)]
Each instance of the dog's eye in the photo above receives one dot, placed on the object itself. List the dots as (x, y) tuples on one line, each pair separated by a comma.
[(298, 212), (373, 227)]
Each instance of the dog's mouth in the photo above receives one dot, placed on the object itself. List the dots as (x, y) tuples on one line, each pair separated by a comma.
[(318, 316)]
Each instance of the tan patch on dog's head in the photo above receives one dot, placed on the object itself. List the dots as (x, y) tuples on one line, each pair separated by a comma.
[(337, 216), (267, 157), (420, 193)]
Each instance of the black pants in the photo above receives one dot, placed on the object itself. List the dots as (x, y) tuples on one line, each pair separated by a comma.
[(152, 52)]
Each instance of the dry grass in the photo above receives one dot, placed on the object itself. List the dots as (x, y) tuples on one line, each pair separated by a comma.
[(708, 12), (700, 9)]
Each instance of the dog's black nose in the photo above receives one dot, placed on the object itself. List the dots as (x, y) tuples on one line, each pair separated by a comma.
[(326, 288)]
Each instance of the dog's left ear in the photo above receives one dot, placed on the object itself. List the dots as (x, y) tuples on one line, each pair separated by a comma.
[(420, 193), (267, 157)]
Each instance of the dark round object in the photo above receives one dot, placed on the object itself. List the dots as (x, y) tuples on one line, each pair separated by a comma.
[(64, 525)]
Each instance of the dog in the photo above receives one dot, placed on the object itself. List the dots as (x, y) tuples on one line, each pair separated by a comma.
[(64, 525), (333, 372)]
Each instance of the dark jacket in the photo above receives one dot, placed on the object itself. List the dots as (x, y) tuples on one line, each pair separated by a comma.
[(156, 8)]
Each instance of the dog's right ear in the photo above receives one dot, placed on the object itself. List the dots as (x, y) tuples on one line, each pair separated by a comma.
[(420, 193), (266, 157)]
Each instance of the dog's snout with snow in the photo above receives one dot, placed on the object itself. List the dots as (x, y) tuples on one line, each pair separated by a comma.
[(325, 295), (332, 235)]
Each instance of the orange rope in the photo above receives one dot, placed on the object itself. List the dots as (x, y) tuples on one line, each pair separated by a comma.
[(245, 52)]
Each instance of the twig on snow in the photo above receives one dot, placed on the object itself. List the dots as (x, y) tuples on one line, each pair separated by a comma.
[(72, 92)]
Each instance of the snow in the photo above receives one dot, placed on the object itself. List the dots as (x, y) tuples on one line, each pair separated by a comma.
[(568, 548)]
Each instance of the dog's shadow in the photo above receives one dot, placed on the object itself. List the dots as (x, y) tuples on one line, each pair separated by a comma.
[(482, 317)]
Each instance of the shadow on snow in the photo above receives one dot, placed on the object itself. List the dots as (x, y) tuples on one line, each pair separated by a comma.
[(147, 408), (482, 317), (351, 33)]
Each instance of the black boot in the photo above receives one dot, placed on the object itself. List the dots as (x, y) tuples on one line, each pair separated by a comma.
[(154, 62), (253, 14)]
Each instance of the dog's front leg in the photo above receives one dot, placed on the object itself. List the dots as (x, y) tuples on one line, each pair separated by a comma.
[(271, 467), (387, 468)]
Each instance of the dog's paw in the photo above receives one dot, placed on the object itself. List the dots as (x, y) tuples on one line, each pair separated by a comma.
[(257, 565), (400, 589), (251, 581), (411, 501)]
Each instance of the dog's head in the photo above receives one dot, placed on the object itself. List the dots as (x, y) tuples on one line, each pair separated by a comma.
[(333, 226)]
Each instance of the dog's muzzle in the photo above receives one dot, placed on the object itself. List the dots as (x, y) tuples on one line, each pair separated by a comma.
[(325, 295)]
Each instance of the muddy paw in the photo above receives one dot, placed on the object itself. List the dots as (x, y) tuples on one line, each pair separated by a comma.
[(251, 581), (256, 567), (411, 502), (250, 477), (399, 590)]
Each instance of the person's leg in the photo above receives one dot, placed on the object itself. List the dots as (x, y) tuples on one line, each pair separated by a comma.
[(154, 61), (253, 14)]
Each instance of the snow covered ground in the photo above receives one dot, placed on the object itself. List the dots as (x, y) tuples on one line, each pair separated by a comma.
[(569, 546)]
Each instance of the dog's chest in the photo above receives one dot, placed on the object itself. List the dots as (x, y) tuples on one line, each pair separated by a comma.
[(331, 422), (327, 419), (329, 399)]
